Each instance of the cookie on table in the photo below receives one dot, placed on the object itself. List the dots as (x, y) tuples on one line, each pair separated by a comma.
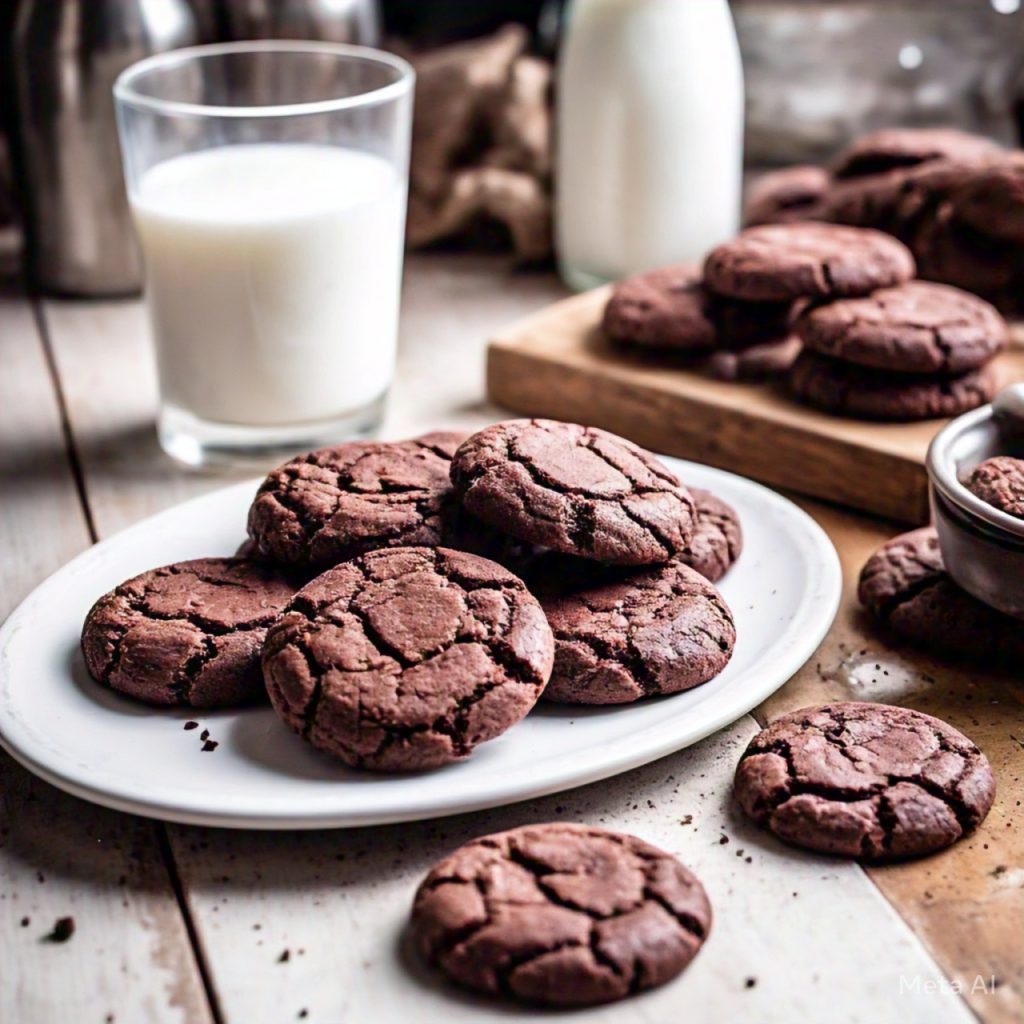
[(407, 658), (718, 537), (891, 148), (578, 490), (560, 915), (664, 308), (621, 636), (783, 262), (845, 389), (187, 634), (870, 781), (791, 194), (917, 327), (999, 481), (905, 587), (992, 199), (327, 506), (759, 362)]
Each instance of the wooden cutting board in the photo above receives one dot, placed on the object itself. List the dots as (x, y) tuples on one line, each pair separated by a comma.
[(557, 364)]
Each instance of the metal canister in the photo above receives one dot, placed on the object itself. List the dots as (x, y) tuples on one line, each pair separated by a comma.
[(66, 56)]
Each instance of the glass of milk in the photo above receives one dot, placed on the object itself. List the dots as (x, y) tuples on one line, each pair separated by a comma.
[(268, 183)]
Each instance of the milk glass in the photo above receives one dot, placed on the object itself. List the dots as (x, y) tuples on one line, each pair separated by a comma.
[(268, 182)]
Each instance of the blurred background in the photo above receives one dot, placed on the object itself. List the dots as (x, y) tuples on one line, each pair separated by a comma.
[(817, 74)]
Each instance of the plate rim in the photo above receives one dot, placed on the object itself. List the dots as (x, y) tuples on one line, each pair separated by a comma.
[(731, 707)]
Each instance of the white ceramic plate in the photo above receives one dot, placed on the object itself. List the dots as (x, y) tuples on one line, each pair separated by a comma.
[(784, 592)]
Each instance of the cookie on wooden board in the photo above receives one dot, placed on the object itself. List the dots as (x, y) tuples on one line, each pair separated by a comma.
[(560, 915), (870, 781)]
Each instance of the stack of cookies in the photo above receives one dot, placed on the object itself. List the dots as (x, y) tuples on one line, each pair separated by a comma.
[(366, 606)]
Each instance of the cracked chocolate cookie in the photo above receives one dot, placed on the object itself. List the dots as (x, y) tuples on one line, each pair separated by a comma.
[(621, 636), (846, 389), (782, 262), (187, 634), (869, 781), (890, 148), (915, 327), (560, 915), (717, 538), (905, 586), (757, 362), (1000, 482), (665, 308), (407, 658), (327, 506), (789, 194), (578, 490)]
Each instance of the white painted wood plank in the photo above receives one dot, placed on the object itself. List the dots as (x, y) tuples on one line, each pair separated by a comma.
[(129, 956), (795, 938)]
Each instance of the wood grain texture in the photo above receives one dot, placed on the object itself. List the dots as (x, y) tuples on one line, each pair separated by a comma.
[(966, 904), (557, 363), (129, 955)]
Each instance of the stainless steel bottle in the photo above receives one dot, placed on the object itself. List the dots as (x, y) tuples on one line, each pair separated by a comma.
[(339, 21), (66, 56)]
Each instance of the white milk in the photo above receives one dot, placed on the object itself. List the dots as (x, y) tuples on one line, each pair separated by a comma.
[(272, 276), (650, 135)]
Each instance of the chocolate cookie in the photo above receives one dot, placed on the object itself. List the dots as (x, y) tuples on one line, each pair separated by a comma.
[(664, 308), (890, 148), (717, 539), (578, 490), (328, 505), (870, 781), (187, 634), (992, 199), (758, 362), (915, 327), (905, 586), (848, 390), (1000, 482), (560, 915), (790, 194), (621, 636), (741, 325), (780, 262), (407, 658)]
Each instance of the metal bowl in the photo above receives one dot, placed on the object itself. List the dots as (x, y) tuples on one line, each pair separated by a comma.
[(983, 547)]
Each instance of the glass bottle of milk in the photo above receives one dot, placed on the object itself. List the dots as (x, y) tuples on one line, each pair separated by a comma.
[(650, 136)]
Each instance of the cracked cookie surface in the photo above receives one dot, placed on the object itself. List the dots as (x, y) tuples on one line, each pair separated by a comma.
[(999, 481), (846, 389), (560, 914), (905, 586), (717, 538), (917, 327), (407, 658), (621, 636), (780, 262), (329, 505), (869, 781), (578, 490), (187, 634)]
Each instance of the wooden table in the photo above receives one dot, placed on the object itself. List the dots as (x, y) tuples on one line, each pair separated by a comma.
[(179, 924)]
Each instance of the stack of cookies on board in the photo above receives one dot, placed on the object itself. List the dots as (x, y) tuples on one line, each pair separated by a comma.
[(371, 605)]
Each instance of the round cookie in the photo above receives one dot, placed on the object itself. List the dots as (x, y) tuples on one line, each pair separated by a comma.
[(1000, 482), (890, 148), (665, 308), (905, 587), (329, 505), (560, 915), (780, 262), (992, 200), (187, 634), (620, 636), (848, 390), (758, 362), (718, 538), (870, 781), (789, 194), (578, 490), (917, 327), (406, 658)]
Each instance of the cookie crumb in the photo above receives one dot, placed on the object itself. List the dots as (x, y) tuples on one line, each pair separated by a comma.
[(205, 734), (191, 725), (210, 745), (25, 922), (63, 929), (751, 982), (285, 956), (303, 1013)]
